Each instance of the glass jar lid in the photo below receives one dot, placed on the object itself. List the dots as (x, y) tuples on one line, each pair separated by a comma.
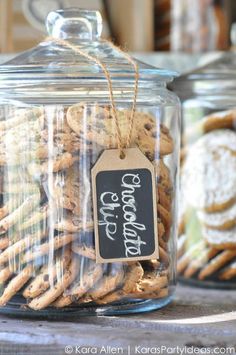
[(216, 77), (51, 61), (223, 68)]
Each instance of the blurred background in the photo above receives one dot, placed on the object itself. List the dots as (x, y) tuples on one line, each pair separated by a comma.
[(140, 26)]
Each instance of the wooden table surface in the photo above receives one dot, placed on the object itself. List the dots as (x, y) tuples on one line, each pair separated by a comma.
[(197, 317)]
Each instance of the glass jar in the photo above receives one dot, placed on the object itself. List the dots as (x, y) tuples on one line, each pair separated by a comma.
[(207, 218), (56, 120)]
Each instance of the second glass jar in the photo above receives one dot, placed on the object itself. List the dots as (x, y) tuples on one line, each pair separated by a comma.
[(207, 218)]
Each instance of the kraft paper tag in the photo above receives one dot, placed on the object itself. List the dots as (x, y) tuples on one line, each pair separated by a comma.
[(125, 207)]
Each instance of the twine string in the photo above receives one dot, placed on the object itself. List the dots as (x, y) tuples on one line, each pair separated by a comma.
[(94, 59), (133, 109)]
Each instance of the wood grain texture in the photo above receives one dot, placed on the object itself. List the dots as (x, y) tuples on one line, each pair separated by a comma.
[(197, 317)]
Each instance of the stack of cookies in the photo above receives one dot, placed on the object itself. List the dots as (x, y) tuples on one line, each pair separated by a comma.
[(47, 251), (207, 227)]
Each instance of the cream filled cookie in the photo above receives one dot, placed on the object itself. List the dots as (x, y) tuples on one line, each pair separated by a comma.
[(225, 239), (222, 220), (208, 166)]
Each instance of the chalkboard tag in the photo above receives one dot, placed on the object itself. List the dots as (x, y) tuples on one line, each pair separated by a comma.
[(125, 207)]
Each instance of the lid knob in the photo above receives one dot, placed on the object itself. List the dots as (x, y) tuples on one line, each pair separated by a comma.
[(74, 23)]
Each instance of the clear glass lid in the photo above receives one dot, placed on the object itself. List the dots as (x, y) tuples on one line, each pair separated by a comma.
[(223, 68), (215, 78), (51, 60)]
